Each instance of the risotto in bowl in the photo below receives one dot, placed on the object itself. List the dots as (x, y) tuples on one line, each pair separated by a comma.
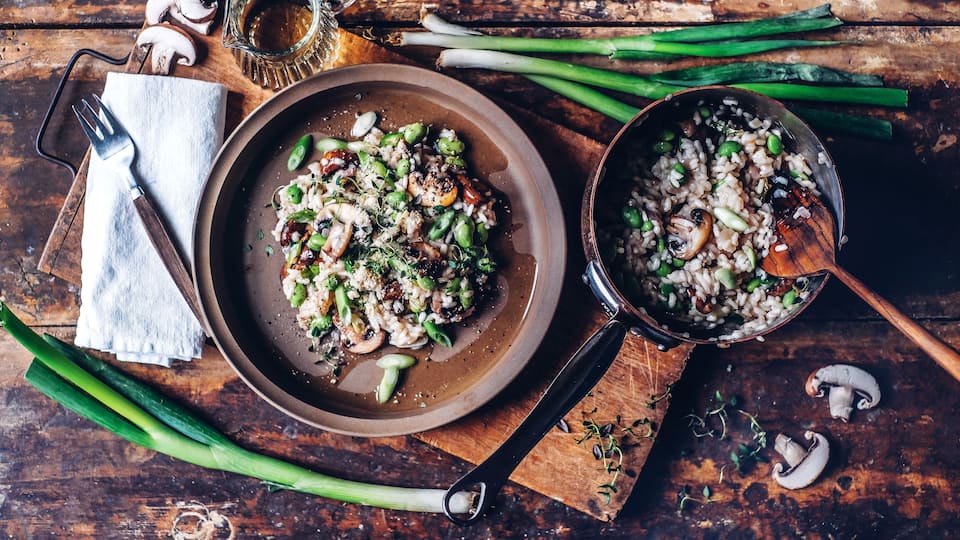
[(684, 210)]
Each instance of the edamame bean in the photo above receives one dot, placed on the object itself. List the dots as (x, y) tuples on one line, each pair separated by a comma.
[(647, 226), (463, 229), (379, 168), (450, 147), (426, 282), (316, 241), (726, 277), (294, 194), (397, 199), (343, 304), (754, 283), (789, 298), (453, 286), (466, 298), (667, 135), (483, 234), (664, 269), (678, 263), (441, 225), (331, 283), (455, 161), (667, 288), (631, 216), (437, 334), (729, 148), (661, 245), (774, 144), (390, 139), (299, 295), (662, 147), (705, 112), (299, 152), (412, 133), (403, 168)]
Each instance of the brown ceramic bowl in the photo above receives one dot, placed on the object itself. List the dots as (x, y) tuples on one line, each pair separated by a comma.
[(239, 283)]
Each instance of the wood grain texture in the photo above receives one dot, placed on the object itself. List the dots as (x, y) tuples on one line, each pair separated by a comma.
[(619, 13), (894, 470)]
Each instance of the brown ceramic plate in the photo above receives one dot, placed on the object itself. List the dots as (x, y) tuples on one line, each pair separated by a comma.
[(239, 283)]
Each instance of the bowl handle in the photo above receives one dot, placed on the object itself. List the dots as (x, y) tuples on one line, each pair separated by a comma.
[(574, 381)]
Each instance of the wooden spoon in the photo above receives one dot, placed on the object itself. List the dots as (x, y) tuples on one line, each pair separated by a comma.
[(806, 246)]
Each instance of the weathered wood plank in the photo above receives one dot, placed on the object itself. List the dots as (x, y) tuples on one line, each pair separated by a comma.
[(885, 476), (620, 13)]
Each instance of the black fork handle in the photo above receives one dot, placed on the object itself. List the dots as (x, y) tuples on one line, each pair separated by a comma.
[(56, 100)]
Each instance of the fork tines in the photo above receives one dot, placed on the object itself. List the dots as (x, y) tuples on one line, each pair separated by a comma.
[(102, 123)]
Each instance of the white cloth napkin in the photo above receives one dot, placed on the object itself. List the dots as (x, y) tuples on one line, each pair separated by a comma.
[(129, 303)]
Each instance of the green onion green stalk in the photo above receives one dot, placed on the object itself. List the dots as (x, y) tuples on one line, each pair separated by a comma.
[(141, 415), (649, 88), (670, 44)]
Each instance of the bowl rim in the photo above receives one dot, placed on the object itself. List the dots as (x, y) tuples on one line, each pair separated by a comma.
[(539, 308)]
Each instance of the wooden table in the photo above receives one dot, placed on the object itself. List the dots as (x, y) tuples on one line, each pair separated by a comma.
[(893, 472)]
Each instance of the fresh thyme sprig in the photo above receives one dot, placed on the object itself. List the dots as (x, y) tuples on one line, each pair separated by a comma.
[(612, 439), (715, 422)]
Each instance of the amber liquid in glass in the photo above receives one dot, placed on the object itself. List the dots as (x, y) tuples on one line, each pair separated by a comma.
[(277, 25)]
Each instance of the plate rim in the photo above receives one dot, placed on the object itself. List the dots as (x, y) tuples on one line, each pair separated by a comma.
[(544, 296)]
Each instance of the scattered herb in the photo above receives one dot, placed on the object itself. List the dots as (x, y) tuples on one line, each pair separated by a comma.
[(656, 398), (612, 439), (268, 249), (259, 234), (684, 498), (715, 422)]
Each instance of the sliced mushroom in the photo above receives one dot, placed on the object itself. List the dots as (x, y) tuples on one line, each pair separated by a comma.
[(343, 218), (431, 190), (473, 192), (845, 384), (167, 42), (357, 336), (194, 14), (804, 464), (686, 237)]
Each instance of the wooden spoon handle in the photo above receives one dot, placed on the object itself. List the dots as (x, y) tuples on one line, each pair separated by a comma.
[(948, 358)]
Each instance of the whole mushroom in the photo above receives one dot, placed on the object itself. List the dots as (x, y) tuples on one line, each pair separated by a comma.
[(845, 384), (686, 237), (194, 14), (804, 464), (166, 43)]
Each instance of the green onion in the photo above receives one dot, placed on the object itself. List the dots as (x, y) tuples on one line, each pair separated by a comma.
[(299, 152), (437, 334), (849, 124), (649, 88), (343, 304), (743, 72), (656, 45), (139, 414)]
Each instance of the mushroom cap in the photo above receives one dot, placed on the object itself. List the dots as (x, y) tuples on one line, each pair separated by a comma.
[(805, 471), (170, 38), (686, 237), (844, 375), (156, 9), (196, 11)]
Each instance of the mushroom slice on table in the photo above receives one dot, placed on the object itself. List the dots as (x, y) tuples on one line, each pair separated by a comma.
[(194, 14), (687, 236), (167, 42), (845, 384), (804, 464)]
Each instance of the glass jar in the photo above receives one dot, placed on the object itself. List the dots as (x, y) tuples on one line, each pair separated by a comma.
[(279, 42)]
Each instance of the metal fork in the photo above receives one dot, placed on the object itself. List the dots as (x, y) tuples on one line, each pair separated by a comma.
[(116, 149)]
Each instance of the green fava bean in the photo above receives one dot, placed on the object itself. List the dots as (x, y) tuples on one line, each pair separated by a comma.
[(631, 216), (662, 147), (729, 148), (294, 194), (456, 162), (483, 234), (316, 241), (391, 139), (774, 144), (397, 199), (463, 230), (379, 168), (299, 152), (413, 133), (426, 283), (403, 168), (299, 295), (450, 147)]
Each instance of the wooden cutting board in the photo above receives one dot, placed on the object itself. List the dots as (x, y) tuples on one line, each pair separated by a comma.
[(632, 398)]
